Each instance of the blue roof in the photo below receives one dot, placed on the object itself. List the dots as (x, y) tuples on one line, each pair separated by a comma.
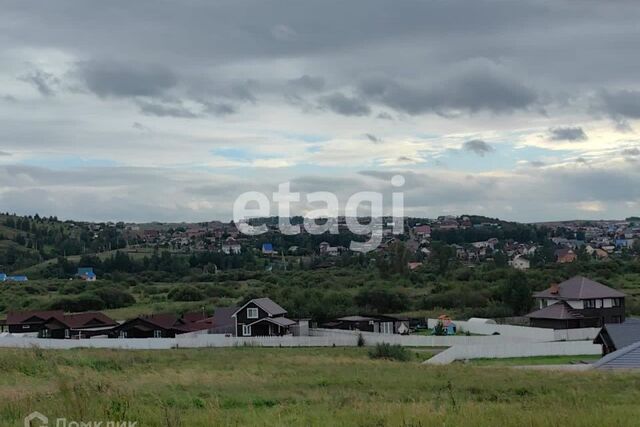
[(267, 247), (84, 270), (17, 278)]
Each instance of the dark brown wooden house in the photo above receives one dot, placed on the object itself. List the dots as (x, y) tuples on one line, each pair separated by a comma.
[(56, 324), (262, 317), (578, 303), (160, 326)]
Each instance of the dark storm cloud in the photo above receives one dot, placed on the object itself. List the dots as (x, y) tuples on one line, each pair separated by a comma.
[(345, 105), (126, 80), (478, 146), (623, 103), (568, 134), (472, 87)]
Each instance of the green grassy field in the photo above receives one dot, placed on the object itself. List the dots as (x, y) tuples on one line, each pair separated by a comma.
[(323, 387)]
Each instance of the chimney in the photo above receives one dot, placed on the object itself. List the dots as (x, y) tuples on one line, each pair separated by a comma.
[(555, 289)]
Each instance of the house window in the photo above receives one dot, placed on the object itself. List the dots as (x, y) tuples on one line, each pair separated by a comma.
[(617, 302), (252, 313), (123, 334), (25, 326), (157, 334), (66, 333), (246, 330), (386, 327), (589, 303)]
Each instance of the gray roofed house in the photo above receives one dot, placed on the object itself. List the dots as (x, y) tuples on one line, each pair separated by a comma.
[(261, 317), (577, 303), (268, 305), (579, 288), (626, 358), (615, 336)]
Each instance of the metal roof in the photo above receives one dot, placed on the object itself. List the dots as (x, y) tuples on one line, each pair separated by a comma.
[(280, 321), (623, 334), (355, 319), (580, 288), (558, 311), (626, 358)]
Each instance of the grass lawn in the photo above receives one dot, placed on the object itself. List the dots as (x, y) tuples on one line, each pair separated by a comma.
[(301, 387), (537, 360)]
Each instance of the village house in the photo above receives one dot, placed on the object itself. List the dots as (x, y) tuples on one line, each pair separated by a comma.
[(56, 324), (520, 262), (615, 336), (565, 256), (577, 303), (87, 274), (231, 246), (262, 317), (161, 326), (267, 249), (384, 324), (3, 277)]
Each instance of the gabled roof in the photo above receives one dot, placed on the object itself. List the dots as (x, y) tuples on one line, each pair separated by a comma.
[(222, 316), (81, 320), (164, 321), (267, 305), (626, 358), (355, 319), (18, 317), (280, 321), (580, 288), (84, 270), (622, 334), (558, 311)]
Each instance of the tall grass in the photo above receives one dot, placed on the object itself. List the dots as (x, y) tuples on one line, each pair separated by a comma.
[(311, 387)]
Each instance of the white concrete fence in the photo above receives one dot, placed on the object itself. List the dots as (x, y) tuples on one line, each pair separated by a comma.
[(501, 351), (523, 332)]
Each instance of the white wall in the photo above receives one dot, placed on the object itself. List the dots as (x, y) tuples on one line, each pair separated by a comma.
[(524, 332), (371, 338), (531, 349), (576, 334), (521, 332)]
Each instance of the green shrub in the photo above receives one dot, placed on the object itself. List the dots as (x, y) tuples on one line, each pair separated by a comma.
[(186, 293), (390, 352)]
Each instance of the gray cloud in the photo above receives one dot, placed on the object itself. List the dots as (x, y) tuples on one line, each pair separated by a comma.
[(473, 86), (568, 134), (373, 138), (623, 103), (44, 82), (162, 109), (105, 78), (344, 105), (4, 154), (307, 83), (631, 152), (478, 146)]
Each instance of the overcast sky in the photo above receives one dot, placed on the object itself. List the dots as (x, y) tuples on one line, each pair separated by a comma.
[(168, 110)]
